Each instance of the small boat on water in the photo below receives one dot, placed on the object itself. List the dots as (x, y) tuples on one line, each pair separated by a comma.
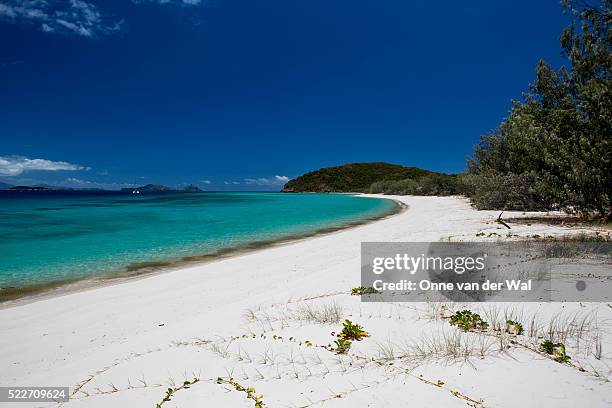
[(135, 192)]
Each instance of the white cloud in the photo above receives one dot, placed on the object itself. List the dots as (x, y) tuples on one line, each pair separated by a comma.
[(206, 181), (15, 165), (78, 17), (273, 181), (65, 16)]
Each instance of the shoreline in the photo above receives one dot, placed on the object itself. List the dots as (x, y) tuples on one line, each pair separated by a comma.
[(125, 344), (16, 296)]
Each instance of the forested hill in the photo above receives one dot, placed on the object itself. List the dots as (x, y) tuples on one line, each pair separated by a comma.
[(352, 177)]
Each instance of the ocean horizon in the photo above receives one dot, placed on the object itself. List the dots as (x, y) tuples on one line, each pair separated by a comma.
[(63, 236)]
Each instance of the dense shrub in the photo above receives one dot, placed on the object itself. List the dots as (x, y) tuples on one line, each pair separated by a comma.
[(554, 150), (506, 191), (434, 184)]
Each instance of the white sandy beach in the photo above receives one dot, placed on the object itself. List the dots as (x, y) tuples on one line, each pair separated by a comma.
[(242, 317)]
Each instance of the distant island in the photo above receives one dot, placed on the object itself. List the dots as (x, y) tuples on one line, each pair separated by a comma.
[(375, 177), (28, 188), (159, 188), (36, 187), (149, 188), (192, 188), (351, 177)]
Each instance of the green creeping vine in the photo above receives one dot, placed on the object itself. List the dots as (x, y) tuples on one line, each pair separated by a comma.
[(250, 391), (171, 391)]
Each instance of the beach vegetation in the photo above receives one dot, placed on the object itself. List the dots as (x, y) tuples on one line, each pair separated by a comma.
[(352, 331), (251, 393), (553, 150), (436, 184), (454, 347), (328, 313), (557, 350), (514, 327), (342, 346), (170, 391), (467, 320), (361, 290)]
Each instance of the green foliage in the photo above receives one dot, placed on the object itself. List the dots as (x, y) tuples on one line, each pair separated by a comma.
[(553, 151), (560, 354), (250, 391), (557, 350), (362, 290), (467, 320), (342, 346), (352, 177), (515, 327), (431, 184), (548, 346), (352, 331), (489, 189), (171, 391)]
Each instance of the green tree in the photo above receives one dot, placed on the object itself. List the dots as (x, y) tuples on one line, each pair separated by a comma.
[(554, 149)]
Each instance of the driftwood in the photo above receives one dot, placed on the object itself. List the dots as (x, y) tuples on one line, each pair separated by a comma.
[(500, 221)]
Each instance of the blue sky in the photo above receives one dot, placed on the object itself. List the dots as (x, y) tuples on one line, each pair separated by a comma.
[(245, 94)]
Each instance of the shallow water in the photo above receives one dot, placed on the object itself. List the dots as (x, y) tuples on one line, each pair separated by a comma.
[(48, 237)]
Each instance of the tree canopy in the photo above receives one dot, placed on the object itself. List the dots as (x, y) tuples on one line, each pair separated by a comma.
[(554, 149)]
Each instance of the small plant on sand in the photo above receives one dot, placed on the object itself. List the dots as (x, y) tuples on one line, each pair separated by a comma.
[(352, 331), (560, 354), (514, 327), (362, 290), (467, 320), (557, 350), (548, 346), (250, 391), (342, 346)]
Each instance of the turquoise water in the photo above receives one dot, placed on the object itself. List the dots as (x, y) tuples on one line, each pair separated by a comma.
[(48, 237)]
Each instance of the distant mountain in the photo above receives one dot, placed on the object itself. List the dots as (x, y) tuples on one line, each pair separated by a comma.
[(50, 187), (29, 188), (150, 188), (46, 187), (192, 188), (154, 187), (352, 177)]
